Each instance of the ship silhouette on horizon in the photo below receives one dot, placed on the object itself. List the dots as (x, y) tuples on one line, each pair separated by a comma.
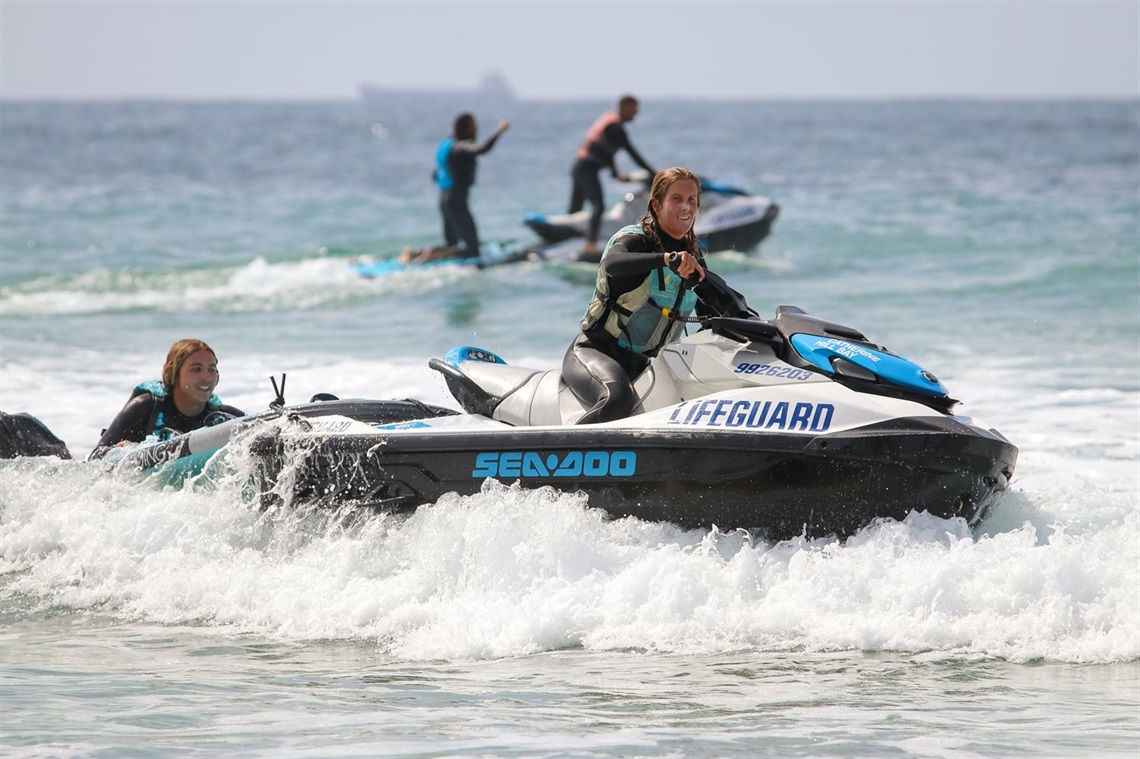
[(493, 89)]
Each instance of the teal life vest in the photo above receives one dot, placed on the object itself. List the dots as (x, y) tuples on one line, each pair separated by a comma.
[(157, 423), (442, 174), (648, 316)]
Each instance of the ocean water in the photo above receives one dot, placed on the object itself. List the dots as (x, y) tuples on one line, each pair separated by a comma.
[(997, 243)]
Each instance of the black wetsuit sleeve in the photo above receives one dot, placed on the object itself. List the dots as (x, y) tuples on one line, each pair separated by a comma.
[(468, 147), (131, 423), (232, 411), (631, 256), (638, 159), (617, 137), (461, 160), (629, 261), (613, 139)]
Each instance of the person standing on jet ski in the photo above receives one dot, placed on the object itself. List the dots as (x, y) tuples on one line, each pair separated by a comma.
[(648, 283), (603, 140), (454, 174), (182, 401)]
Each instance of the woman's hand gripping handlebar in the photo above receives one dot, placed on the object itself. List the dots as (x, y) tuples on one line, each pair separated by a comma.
[(687, 266)]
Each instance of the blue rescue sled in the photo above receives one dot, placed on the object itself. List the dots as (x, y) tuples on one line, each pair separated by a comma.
[(490, 254)]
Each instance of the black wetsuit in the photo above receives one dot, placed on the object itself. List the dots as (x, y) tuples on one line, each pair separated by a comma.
[(458, 223), (598, 370), (603, 140), (145, 414)]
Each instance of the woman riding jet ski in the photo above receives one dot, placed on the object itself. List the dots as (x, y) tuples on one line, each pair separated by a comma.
[(641, 298), (790, 426)]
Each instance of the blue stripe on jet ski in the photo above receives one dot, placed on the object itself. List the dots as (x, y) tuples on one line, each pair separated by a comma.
[(403, 426), (821, 351), (724, 188)]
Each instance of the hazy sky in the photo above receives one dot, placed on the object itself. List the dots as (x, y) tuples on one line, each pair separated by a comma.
[(700, 48)]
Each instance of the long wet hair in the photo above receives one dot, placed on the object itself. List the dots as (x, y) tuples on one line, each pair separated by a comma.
[(464, 127), (662, 181), (177, 356)]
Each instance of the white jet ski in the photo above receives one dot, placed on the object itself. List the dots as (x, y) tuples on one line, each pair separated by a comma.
[(731, 219), (788, 426)]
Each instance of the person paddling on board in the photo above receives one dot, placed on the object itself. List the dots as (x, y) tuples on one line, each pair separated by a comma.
[(603, 140), (182, 401), (649, 280), (454, 174)]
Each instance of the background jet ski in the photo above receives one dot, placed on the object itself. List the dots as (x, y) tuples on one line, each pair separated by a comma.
[(786, 426), (730, 218)]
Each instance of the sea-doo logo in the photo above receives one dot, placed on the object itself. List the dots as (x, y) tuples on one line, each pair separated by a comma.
[(768, 415), (508, 464), (330, 426)]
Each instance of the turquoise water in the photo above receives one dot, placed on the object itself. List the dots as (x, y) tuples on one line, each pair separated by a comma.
[(998, 244)]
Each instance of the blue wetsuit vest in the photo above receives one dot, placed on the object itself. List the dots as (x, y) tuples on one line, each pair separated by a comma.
[(157, 425), (442, 173)]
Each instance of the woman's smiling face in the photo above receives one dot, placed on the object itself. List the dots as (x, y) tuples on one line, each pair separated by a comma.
[(677, 211), (198, 376)]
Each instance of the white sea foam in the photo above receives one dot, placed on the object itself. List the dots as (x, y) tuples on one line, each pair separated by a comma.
[(510, 572), (256, 286)]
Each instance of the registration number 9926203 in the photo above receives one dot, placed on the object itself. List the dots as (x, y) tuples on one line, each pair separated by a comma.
[(769, 370)]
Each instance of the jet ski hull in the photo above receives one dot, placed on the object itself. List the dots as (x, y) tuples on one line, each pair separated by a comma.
[(777, 485), (743, 235)]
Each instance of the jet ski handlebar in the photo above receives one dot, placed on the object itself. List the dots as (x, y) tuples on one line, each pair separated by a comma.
[(746, 330), (733, 317), (673, 261)]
